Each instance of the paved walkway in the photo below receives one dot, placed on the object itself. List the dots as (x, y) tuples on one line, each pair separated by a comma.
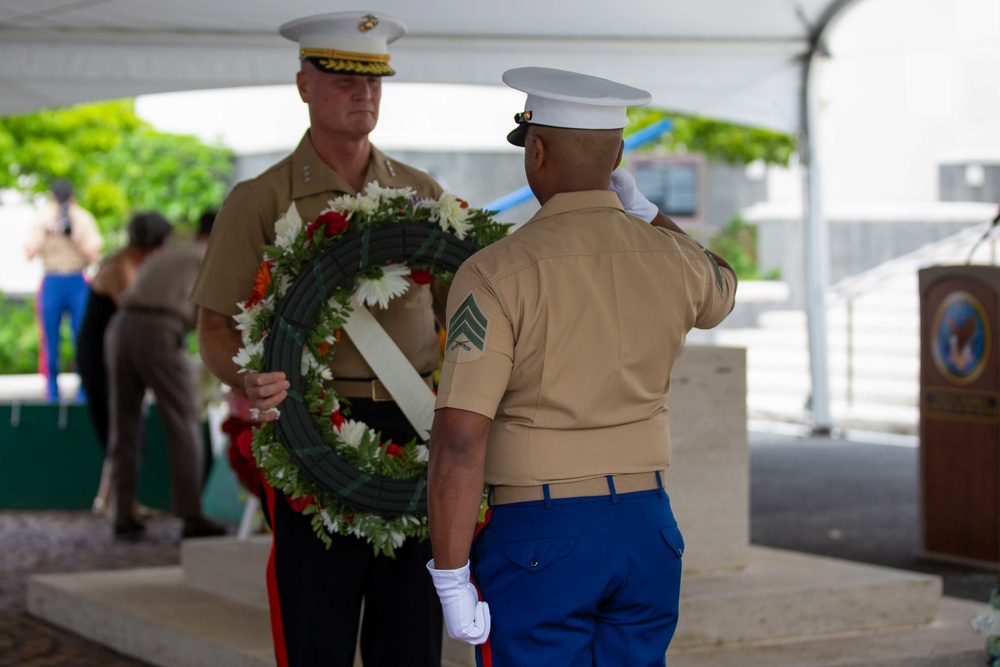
[(839, 498)]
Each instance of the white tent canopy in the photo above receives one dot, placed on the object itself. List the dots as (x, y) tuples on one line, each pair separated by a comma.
[(728, 59), (747, 62)]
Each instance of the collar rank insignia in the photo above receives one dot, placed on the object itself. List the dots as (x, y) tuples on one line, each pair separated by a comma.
[(468, 330)]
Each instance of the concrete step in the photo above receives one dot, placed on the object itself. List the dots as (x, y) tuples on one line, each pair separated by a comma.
[(869, 342), (769, 382), (783, 594), (148, 613), (230, 568), (947, 642), (880, 418), (903, 368), (152, 615), (156, 615)]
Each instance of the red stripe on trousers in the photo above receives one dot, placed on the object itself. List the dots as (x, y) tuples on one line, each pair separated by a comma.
[(485, 650), (274, 603)]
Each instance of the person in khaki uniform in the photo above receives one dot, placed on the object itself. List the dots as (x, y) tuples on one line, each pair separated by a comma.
[(146, 347), (561, 339), (315, 593)]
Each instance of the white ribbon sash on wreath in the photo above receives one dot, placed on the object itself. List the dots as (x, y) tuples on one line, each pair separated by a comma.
[(387, 361)]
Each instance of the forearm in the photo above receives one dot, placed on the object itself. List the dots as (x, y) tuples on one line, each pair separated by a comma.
[(218, 342), (455, 489)]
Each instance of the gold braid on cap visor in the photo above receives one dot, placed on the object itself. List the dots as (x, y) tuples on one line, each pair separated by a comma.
[(349, 62)]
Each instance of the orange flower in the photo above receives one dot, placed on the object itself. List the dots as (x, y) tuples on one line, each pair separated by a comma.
[(462, 202), (260, 283)]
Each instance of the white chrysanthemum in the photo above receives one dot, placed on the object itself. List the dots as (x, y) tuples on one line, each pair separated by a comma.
[(422, 453), (381, 290), (341, 204), (246, 317), (328, 522), (450, 214), (255, 413), (376, 190), (284, 283), (310, 364), (247, 353), (286, 230), (353, 432)]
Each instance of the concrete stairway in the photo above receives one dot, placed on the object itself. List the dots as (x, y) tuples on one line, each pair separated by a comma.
[(873, 343), (873, 357), (783, 608)]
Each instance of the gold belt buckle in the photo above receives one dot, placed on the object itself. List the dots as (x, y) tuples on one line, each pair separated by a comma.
[(375, 397)]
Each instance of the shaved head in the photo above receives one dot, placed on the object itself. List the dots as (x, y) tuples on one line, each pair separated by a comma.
[(589, 151), (559, 159)]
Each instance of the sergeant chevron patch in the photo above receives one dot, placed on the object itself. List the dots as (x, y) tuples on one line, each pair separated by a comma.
[(467, 332)]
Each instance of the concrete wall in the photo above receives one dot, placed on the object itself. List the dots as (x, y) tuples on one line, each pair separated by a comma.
[(956, 182)]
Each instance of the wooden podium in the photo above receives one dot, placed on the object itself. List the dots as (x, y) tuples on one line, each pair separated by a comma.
[(960, 413)]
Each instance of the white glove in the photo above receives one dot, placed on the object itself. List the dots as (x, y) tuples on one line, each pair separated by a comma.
[(623, 185), (466, 618)]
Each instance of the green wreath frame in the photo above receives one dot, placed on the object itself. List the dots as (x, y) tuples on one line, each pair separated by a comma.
[(336, 267)]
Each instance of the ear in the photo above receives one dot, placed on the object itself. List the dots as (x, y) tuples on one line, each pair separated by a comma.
[(618, 160), (302, 85), (536, 152)]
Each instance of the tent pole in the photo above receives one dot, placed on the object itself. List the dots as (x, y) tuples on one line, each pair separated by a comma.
[(816, 253), (817, 266)]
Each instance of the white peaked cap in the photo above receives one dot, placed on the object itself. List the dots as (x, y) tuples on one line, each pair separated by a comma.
[(354, 42), (558, 98)]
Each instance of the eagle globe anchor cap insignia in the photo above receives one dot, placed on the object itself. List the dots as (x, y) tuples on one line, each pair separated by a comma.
[(369, 22)]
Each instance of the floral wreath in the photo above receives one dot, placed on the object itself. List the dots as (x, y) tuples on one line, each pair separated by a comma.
[(373, 246)]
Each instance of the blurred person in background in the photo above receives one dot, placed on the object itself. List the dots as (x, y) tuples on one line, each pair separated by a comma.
[(67, 239), (147, 233), (146, 347)]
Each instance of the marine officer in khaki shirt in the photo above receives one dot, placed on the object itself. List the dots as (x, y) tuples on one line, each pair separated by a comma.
[(316, 600), (561, 340)]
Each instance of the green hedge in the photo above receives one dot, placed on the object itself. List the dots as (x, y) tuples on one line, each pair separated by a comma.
[(19, 338)]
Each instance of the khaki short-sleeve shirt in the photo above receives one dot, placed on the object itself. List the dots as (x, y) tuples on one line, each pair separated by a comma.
[(164, 282), (564, 334), (245, 223)]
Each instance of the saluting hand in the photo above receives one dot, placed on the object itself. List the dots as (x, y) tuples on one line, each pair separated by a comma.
[(266, 391)]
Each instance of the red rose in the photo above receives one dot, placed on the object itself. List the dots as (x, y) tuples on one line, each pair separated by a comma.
[(394, 450), (334, 222), (300, 504), (233, 425), (336, 419), (243, 441), (421, 276)]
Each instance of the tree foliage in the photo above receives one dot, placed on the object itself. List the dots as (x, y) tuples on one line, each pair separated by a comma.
[(117, 163), (716, 139)]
